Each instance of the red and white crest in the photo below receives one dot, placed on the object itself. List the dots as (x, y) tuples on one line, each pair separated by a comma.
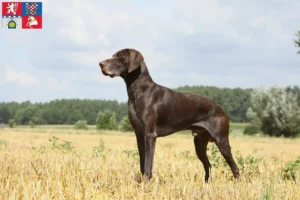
[(12, 8)]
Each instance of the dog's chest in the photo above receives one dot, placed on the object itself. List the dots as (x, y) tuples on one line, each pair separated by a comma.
[(134, 114)]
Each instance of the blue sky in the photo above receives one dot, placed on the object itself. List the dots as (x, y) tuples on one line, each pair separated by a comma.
[(230, 43)]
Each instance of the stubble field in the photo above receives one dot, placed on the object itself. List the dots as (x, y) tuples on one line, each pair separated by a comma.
[(59, 162)]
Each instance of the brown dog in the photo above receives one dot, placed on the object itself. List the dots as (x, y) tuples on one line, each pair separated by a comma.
[(156, 111)]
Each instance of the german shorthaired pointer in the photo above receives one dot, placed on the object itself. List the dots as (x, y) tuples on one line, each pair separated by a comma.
[(156, 111)]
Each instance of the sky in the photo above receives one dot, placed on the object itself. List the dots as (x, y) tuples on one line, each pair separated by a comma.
[(219, 43)]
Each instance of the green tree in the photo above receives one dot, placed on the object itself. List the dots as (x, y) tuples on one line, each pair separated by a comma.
[(4, 115), (106, 120), (24, 115), (276, 111), (49, 116), (125, 124), (81, 124), (295, 90), (32, 122), (12, 123), (297, 41), (74, 116), (12, 107), (251, 130)]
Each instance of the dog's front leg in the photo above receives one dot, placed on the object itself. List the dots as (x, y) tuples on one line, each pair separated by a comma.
[(141, 147), (149, 141)]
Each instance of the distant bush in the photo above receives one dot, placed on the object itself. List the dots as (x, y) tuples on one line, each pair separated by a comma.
[(106, 120), (32, 122), (275, 111), (12, 123), (125, 124), (251, 130), (81, 124)]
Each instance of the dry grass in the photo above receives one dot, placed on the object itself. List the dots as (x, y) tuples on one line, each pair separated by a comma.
[(32, 167)]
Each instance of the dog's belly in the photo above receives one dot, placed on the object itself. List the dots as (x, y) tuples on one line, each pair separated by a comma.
[(168, 130), (165, 131)]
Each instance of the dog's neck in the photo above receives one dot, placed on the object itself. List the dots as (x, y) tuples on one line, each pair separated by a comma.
[(137, 80)]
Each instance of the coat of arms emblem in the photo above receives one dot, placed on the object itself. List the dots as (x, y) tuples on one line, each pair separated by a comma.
[(25, 15)]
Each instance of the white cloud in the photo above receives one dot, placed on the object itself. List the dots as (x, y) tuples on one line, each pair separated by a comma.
[(12, 74), (271, 26), (84, 29), (208, 12), (89, 58), (76, 31), (193, 16), (54, 84), (186, 27), (155, 60), (103, 39)]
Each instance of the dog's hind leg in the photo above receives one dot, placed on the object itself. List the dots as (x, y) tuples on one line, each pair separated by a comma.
[(220, 134), (225, 150), (200, 140)]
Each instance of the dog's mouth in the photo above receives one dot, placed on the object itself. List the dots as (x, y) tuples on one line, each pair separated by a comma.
[(107, 74)]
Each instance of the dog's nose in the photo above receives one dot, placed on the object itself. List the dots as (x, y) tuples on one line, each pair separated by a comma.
[(101, 64)]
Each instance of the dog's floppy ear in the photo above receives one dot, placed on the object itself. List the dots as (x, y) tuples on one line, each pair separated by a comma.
[(135, 60)]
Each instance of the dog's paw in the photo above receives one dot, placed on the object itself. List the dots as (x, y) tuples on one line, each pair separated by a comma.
[(139, 178)]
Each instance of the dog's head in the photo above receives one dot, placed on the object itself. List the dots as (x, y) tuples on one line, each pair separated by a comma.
[(121, 63)]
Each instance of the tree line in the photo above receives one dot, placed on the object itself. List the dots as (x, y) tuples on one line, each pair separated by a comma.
[(68, 111), (65, 111), (273, 112)]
